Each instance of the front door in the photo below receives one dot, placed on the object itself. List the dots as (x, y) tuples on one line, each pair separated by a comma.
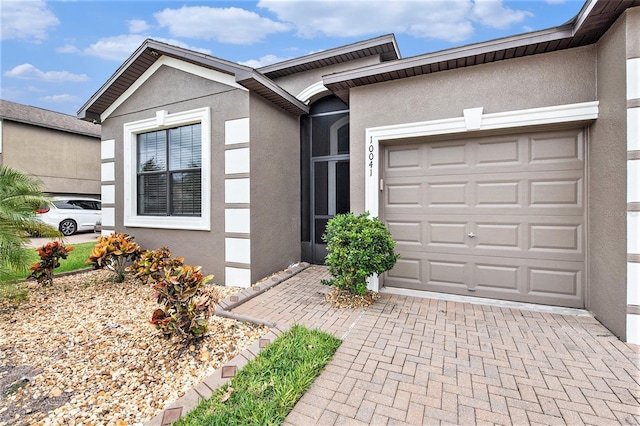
[(325, 172)]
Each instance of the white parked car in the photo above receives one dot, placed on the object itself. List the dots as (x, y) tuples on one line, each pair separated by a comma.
[(72, 214)]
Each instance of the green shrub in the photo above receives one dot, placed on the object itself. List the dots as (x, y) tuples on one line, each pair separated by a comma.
[(50, 255), (358, 247), (150, 265), (186, 307), (114, 252)]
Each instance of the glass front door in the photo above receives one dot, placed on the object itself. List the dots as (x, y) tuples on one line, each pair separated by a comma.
[(325, 173)]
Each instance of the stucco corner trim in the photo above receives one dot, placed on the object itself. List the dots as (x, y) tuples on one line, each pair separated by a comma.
[(237, 131), (237, 277), (471, 121), (108, 149), (633, 72), (108, 172), (633, 329), (130, 132)]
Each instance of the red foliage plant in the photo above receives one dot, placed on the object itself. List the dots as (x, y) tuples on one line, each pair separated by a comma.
[(50, 255)]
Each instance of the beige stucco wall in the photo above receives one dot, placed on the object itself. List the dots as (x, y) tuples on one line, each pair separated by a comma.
[(556, 78), (608, 185), (296, 83), (66, 163), (167, 90), (275, 188)]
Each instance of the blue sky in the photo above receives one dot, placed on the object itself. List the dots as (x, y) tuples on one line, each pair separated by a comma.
[(56, 55)]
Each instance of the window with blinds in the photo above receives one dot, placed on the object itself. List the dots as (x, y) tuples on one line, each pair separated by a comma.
[(169, 168)]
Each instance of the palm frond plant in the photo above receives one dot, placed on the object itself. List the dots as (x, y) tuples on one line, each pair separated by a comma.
[(20, 197)]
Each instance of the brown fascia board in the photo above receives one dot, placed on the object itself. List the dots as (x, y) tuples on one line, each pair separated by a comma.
[(308, 60), (83, 112), (557, 33), (254, 80), (161, 48), (241, 72), (342, 81)]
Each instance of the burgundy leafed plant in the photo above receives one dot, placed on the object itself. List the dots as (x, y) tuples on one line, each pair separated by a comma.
[(50, 255)]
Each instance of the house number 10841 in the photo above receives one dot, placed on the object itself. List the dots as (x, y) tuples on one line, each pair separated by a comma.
[(371, 157)]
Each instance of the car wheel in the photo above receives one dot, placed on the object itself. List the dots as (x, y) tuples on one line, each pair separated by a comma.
[(68, 227)]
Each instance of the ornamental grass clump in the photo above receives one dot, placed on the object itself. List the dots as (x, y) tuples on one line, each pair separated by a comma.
[(115, 252), (50, 255), (358, 247), (185, 306)]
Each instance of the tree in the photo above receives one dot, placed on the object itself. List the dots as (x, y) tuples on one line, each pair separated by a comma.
[(20, 197)]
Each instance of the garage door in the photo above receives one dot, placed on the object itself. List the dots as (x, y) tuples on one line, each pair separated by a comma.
[(499, 217)]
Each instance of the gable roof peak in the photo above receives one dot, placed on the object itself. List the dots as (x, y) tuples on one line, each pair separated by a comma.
[(384, 46), (152, 50)]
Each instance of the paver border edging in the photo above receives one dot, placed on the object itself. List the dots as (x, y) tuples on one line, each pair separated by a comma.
[(226, 372), (238, 299)]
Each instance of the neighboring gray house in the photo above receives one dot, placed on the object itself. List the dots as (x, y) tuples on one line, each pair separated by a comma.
[(507, 169), (60, 150)]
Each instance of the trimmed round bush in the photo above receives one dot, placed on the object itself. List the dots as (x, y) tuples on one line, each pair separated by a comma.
[(358, 247)]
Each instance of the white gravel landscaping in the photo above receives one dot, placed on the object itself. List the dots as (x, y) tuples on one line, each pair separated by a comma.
[(82, 352)]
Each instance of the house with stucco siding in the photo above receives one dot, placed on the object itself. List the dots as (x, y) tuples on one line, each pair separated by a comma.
[(506, 169), (58, 149)]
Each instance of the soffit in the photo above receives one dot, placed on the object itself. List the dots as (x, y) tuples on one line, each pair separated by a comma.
[(595, 18), (150, 51), (383, 46)]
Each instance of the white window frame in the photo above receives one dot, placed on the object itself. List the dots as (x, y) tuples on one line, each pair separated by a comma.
[(164, 120)]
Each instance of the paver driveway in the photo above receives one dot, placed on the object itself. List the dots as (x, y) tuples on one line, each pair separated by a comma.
[(408, 360)]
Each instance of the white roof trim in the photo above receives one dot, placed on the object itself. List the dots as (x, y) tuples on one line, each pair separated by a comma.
[(308, 94), (209, 74)]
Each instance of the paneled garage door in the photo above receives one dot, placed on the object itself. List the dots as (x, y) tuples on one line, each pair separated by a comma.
[(499, 217)]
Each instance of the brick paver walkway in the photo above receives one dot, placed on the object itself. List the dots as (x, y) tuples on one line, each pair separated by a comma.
[(408, 360)]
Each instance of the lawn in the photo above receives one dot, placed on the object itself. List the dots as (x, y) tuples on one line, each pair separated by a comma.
[(13, 289), (73, 262), (267, 388)]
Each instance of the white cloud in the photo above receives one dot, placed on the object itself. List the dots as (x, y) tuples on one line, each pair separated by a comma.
[(29, 72), (225, 25), (263, 61), (138, 26), (450, 20), (436, 19), (116, 48), (68, 48), (60, 98), (119, 48), (493, 14), (26, 20)]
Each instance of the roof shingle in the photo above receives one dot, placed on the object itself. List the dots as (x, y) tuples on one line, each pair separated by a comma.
[(20, 113)]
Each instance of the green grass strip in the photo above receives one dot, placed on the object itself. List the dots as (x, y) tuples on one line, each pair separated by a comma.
[(76, 259), (267, 388), (15, 290)]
